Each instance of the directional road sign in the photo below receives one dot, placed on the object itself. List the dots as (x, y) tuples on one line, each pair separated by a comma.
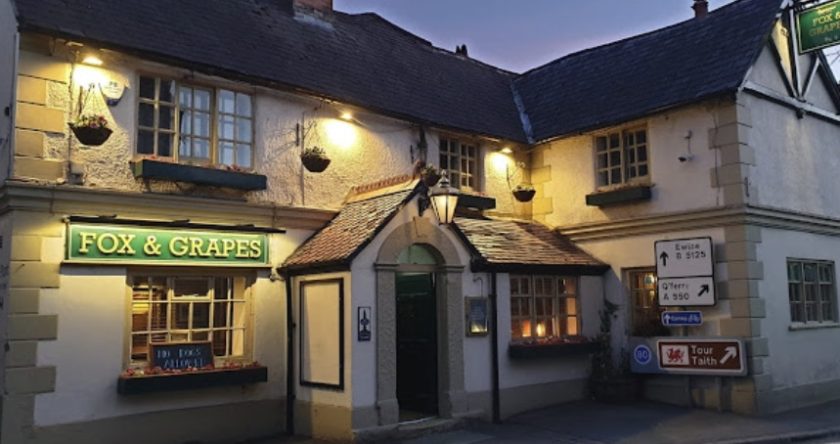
[(681, 292), (685, 272), (722, 357), (682, 318), (684, 258)]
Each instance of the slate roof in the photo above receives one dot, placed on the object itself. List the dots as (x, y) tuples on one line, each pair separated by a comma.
[(508, 245), (358, 222), (364, 60), (360, 59), (636, 77)]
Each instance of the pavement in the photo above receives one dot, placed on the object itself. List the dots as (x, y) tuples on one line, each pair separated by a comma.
[(589, 422)]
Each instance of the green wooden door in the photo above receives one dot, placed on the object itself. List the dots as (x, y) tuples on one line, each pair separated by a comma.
[(417, 375)]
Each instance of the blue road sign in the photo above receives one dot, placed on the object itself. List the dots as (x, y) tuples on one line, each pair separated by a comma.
[(642, 354), (682, 318)]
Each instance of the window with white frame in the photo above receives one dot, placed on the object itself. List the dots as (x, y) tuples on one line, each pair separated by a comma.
[(207, 125), (460, 160), (622, 157), (646, 321), (543, 307), (167, 309), (811, 291)]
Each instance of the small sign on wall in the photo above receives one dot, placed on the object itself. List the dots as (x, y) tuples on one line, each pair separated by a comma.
[(365, 323), (478, 319), (183, 355)]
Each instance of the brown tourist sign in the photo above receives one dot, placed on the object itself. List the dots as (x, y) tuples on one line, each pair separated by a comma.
[(702, 356)]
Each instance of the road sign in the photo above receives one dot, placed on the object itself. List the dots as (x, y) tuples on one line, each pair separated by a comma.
[(642, 354), (682, 292), (685, 272), (684, 258), (702, 356), (682, 318)]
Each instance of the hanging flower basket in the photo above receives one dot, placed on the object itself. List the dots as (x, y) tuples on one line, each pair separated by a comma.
[(431, 176), (524, 193), (315, 160), (91, 130)]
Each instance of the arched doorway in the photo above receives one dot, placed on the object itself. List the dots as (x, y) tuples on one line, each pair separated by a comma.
[(417, 332)]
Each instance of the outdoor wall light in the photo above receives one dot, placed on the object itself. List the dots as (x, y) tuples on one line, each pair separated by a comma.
[(506, 150), (347, 116), (444, 200), (92, 60), (341, 133)]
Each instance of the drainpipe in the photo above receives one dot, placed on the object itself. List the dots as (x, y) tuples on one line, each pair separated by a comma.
[(290, 359), (494, 305)]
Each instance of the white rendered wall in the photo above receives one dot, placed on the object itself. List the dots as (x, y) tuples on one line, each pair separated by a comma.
[(637, 252), (90, 352), (8, 74), (678, 186), (367, 150), (797, 357)]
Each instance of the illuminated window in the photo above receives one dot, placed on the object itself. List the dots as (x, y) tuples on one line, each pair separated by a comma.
[(622, 157), (646, 310), (811, 291), (188, 309), (208, 126), (543, 307), (460, 160)]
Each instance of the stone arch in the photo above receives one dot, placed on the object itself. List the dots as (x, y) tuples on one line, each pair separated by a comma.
[(449, 294)]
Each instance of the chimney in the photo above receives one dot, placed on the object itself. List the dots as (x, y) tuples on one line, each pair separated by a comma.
[(701, 8), (323, 6), (462, 50)]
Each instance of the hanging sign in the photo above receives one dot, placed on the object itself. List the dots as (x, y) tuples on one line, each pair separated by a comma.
[(127, 244), (685, 272), (818, 27)]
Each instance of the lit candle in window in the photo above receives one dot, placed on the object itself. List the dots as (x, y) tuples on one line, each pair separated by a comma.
[(540, 330)]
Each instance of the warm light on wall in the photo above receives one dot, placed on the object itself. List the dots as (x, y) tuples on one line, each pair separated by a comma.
[(340, 133), (347, 116), (506, 150), (87, 75), (540, 330), (92, 60), (501, 162)]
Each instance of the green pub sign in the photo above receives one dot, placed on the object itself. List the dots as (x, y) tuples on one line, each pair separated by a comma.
[(819, 27), (127, 244)]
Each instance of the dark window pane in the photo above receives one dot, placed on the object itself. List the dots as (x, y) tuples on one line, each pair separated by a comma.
[(145, 142), (146, 115), (603, 178), (166, 118), (165, 145), (641, 137), (615, 141), (201, 315), (615, 176), (643, 170), (630, 155), (167, 91), (602, 160), (615, 158), (601, 144), (147, 88), (642, 150)]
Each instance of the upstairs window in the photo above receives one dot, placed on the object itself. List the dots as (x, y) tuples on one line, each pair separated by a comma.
[(460, 160), (811, 291), (194, 124), (622, 157)]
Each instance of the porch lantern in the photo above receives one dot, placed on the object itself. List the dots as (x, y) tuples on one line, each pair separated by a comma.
[(444, 200)]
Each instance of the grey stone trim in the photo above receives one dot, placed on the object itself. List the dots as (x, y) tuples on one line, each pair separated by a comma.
[(452, 398), (68, 199), (223, 423)]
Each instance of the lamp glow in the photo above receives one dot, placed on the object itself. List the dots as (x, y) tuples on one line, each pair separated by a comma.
[(347, 116), (341, 133), (444, 200), (540, 330), (506, 150), (92, 60)]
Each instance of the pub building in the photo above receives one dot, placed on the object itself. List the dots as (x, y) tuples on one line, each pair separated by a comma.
[(235, 219)]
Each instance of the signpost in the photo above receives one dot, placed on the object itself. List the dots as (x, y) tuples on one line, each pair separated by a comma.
[(685, 272), (818, 27), (682, 318), (717, 357)]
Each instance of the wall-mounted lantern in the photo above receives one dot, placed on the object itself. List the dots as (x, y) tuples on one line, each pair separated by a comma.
[(444, 200)]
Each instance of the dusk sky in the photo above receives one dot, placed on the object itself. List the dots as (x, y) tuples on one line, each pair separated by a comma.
[(522, 34)]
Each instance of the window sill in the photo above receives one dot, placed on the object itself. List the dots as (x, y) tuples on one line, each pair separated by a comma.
[(134, 385), (632, 193), (475, 201), (201, 175), (813, 326), (550, 350)]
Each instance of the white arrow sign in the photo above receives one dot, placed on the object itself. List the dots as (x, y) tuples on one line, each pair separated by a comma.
[(684, 258), (731, 352)]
